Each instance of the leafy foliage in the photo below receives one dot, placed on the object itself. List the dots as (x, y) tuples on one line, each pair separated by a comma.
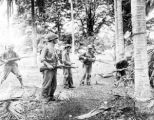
[(89, 15), (92, 14), (126, 8)]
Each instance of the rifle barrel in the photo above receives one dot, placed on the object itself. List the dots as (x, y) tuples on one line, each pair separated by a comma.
[(46, 68), (103, 61), (14, 59)]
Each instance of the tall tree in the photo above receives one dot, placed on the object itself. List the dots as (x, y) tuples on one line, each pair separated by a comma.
[(58, 21), (91, 20), (9, 10), (119, 30), (41, 6), (34, 31), (116, 27), (142, 85)]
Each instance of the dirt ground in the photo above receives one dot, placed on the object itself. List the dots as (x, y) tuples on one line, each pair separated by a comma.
[(88, 97)]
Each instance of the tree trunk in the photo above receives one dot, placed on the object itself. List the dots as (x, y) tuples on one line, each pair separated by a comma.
[(142, 84), (34, 32), (58, 22), (82, 28), (58, 28), (72, 19), (41, 5), (8, 13), (119, 30), (116, 28), (90, 21)]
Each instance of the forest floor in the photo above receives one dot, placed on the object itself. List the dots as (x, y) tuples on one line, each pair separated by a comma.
[(71, 102)]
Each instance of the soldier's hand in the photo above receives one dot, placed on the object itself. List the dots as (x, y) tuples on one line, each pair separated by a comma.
[(69, 63), (5, 61), (84, 58), (50, 66), (93, 59)]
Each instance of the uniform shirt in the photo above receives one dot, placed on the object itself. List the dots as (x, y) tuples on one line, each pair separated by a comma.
[(87, 55), (50, 57), (66, 58), (9, 55)]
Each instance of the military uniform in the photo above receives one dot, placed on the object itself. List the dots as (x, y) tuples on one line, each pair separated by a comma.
[(68, 80), (87, 65), (49, 76), (11, 66)]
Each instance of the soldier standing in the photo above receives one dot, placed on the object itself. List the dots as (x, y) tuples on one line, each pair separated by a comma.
[(87, 58), (11, 65), (50, 59), (68, 80)]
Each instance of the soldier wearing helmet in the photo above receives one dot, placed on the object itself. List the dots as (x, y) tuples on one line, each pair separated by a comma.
[(87, 58), (11, 66), (49, 58), (68, 80)]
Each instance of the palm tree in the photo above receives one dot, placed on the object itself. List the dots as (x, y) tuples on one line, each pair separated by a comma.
[(142, 85), (34, 31), (119, 29), (116, 27)]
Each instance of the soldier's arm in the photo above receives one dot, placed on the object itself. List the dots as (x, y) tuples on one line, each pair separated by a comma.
[(43, 60), (82, 56), (65, 61), (92, 59), (17, 56), (3, 58)]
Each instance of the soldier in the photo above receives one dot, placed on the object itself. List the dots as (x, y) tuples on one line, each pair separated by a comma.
[(68, 81), (50, 59), (11, 65), (87, 58), (124, 70)]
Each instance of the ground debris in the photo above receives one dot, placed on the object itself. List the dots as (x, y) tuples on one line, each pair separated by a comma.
[(11, 109), (115, 108), (20, 107)]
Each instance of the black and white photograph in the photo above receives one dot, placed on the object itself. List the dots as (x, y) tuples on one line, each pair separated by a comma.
[(76, 59)]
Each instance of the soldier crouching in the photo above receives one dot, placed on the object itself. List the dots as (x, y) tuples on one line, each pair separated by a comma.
[(11, 65)]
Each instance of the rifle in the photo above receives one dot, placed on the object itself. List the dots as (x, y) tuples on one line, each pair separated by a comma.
[(119, 70), (11, 99), (87, 58), (59, 66), (102, 61), (13, 59)]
